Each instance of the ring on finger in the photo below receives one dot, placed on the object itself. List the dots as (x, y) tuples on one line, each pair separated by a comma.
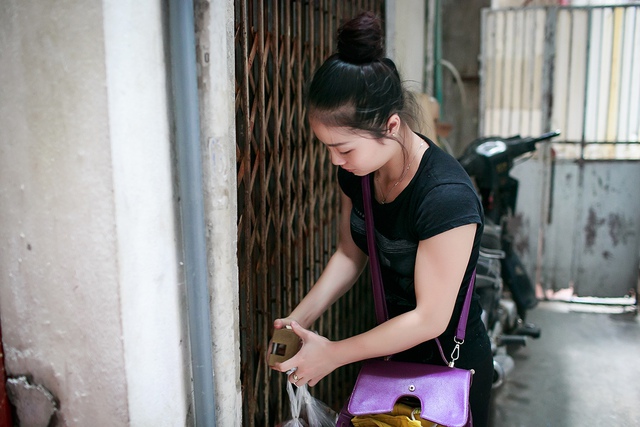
[(291, 371)]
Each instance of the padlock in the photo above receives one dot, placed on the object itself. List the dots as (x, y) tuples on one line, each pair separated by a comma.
[(284, 345)]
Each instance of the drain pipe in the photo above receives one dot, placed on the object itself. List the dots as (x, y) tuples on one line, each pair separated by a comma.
[(187, 134)]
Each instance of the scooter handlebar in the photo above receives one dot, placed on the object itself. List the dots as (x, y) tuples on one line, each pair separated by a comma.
[(519, 146), (499, 149)]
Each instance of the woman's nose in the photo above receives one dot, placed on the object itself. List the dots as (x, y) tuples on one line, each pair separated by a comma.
[(336, 158)]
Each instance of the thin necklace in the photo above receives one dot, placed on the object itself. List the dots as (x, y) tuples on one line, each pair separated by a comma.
[(404, 173)]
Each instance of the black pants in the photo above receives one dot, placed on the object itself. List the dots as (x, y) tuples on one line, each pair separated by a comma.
[(480, 398)]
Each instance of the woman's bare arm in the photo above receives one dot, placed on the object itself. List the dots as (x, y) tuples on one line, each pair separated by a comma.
[(440, 266)]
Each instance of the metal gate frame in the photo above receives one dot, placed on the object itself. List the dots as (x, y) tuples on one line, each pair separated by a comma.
[(288, 201), (571, 68)]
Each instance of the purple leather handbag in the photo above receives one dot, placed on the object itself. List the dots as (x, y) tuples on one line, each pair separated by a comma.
[(442, 391)]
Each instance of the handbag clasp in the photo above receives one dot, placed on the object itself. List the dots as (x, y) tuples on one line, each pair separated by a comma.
[(455, 354)]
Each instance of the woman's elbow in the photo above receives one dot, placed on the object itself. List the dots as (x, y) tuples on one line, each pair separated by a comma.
[(436, 324), (353, 253), (438, 328)]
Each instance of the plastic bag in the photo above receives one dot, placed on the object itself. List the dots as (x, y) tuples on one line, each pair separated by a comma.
[(307, 411)]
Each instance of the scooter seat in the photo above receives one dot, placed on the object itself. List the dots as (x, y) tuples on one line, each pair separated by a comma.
[(490, 241)]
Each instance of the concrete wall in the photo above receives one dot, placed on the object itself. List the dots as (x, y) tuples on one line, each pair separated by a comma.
[(460, 73), (576, 224), (409, 39), (405, 39), (497, 4), (90, 292), (215, 57), (591, 243), (409, 42)]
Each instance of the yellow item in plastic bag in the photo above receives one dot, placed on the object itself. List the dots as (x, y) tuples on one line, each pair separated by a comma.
[(401, 416), (384, 420)]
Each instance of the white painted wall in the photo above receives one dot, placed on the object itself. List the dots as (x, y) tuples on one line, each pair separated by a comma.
[(405, 35), (150, 289), (90, 292)]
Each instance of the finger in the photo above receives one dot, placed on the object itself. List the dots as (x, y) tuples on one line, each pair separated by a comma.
[(279, 324), (290, 365), (286, 366), (278, 367), (299, 330)]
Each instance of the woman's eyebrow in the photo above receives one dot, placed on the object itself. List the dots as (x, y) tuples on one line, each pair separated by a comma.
[(337, 144)]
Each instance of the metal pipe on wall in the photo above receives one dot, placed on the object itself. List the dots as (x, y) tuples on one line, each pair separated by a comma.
[(437, 72), (187, 134)]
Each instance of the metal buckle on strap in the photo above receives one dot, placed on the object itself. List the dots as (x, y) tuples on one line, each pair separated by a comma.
[(455, 354)]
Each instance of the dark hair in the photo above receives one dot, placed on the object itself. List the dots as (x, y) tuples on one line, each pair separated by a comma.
[(357, 87)]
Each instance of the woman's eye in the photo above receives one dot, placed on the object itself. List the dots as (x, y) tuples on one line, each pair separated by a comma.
[(342, 153)]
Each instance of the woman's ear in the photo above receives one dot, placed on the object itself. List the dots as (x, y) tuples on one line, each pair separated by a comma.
[(393, 125)]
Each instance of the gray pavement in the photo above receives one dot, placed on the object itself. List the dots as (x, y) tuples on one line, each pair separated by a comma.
[(583, 371)]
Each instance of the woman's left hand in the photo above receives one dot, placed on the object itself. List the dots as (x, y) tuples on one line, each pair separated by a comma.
[(313, 362)]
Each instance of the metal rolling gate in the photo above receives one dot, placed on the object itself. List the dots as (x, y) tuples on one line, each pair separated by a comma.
[(575, 69), (288, 198)]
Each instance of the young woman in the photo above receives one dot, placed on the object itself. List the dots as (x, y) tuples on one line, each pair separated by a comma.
[(427, 217)]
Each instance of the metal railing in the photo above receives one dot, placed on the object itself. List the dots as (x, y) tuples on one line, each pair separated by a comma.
[(568, 68)]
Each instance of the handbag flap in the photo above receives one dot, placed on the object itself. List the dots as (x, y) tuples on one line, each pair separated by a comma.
[(443, 392)]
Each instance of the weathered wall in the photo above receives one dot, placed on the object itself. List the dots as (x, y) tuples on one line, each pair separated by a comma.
[(89, 285), (215, 56), (591, 242), (461, 80), (405, 39), (576, 222), (409, 42)]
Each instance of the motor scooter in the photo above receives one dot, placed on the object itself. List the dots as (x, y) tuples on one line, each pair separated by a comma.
[(505, 289)]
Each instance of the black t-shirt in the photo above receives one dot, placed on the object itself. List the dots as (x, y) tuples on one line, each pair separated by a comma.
[(440, 197)]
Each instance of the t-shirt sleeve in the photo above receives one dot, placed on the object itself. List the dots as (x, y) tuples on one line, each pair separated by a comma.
[(445, 207)]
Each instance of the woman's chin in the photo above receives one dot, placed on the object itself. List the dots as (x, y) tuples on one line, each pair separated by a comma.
[(356, 172)]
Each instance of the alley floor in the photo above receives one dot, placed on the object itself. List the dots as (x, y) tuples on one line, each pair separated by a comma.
[(583, 371)]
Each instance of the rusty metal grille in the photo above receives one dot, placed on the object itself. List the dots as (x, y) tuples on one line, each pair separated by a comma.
[(288, 198)]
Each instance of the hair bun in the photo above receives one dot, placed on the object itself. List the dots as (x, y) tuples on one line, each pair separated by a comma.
[(360, 40)]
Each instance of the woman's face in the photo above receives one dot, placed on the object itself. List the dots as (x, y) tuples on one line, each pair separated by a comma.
[(353, 150)]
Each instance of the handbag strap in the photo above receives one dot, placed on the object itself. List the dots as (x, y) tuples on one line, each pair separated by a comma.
[(374, 263), (376, 276)]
